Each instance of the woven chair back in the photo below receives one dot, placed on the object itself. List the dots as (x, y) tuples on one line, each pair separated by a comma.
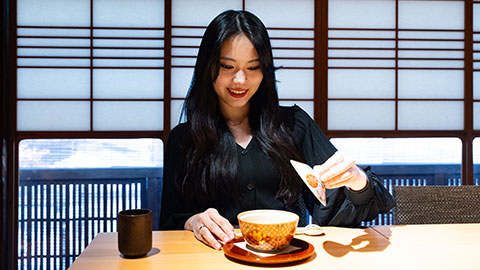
[(436, 204)]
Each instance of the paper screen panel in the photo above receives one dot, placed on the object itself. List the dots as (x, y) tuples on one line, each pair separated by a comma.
[(192, 31), (361, 83), (430, 115), (63, 59), (426, 53), (307, 106), (53, 42), (183, 62), (283, 13), (127, 115), (176, 112), (130, 63), (476, 85), (476, 17), (295, 83), (415, 52), (476, 50), (50, 62), (364, 34), (37, 83), (25, 52), (361, 53), (53, 115), (441, 14), (138, 13), (200, 13), (53, 32), (292, 43), (431, 84), (293, 63), (361, 63), (476, 115), (43, 47), (181, 79), (361, 14), (187, 41), (437, 34), (128, 48), (361, 115), (128, 83), (361, 49), (340, 43), (53, 13), (155, 53)]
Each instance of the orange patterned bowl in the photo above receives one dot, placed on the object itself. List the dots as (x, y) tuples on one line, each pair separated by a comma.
[(268, 230)]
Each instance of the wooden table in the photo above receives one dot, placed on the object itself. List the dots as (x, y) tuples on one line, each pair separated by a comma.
[(454, 246)]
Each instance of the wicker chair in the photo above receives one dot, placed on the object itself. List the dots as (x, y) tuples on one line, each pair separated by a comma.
[(436, 204)]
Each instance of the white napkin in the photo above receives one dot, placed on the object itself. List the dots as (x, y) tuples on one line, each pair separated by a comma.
[(243, 245)]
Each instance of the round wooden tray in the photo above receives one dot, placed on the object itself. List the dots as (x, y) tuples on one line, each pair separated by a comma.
[(303, 251)]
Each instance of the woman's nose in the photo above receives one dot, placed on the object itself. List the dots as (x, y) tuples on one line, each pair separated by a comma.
[(239, 77)]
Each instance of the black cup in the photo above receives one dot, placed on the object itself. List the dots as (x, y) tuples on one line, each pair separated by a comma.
[(134, 232)]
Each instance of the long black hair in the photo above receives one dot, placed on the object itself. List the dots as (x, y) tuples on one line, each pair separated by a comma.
[(211, 159)]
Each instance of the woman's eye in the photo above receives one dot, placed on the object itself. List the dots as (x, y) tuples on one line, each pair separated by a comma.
[(254, 68), (226, 66)]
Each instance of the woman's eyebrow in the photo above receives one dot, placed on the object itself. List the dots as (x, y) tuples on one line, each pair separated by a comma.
[(231, 59)]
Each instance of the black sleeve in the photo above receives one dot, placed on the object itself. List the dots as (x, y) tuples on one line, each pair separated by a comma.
[(173, 213), (344, 207)]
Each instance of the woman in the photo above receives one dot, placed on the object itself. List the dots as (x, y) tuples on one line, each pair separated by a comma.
[(233, 152)]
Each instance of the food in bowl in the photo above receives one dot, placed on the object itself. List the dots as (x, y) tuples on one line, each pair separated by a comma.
[(268, 230)]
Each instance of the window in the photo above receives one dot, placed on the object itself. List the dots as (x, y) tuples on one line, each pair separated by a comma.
[(71, 189), (405, 69), (90, 68), (476, 65), (476, 161), (374, 74), (406, 162)]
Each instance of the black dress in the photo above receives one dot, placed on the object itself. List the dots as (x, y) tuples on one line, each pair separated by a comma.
[(259, 181)]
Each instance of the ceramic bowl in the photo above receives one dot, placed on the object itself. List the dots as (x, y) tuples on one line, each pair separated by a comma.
[(268, 230)]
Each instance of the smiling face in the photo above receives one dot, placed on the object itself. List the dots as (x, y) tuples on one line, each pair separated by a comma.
[(240, 74)]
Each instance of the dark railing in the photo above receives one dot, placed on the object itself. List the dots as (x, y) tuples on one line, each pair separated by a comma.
[(61, 210)]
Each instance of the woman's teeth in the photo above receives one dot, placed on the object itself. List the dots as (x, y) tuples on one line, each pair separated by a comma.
[(238, 92)]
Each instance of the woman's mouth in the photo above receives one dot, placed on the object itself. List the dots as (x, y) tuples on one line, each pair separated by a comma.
[(237, 92)]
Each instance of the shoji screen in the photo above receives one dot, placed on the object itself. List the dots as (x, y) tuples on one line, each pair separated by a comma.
[(290, 25), (476, 65), (396, 65), (90, 65)]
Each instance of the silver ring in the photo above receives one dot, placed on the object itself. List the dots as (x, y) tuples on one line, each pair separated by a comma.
[(201, 227)]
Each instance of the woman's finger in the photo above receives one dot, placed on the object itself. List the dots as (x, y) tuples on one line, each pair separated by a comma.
[(354, 179), (226, 228), (327, 165), (206, 236), (219, 225), (212, 227), (339, 169), (339, 180)]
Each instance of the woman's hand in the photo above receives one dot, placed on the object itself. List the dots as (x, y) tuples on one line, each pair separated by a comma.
[(341, 170), (210, 227)]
